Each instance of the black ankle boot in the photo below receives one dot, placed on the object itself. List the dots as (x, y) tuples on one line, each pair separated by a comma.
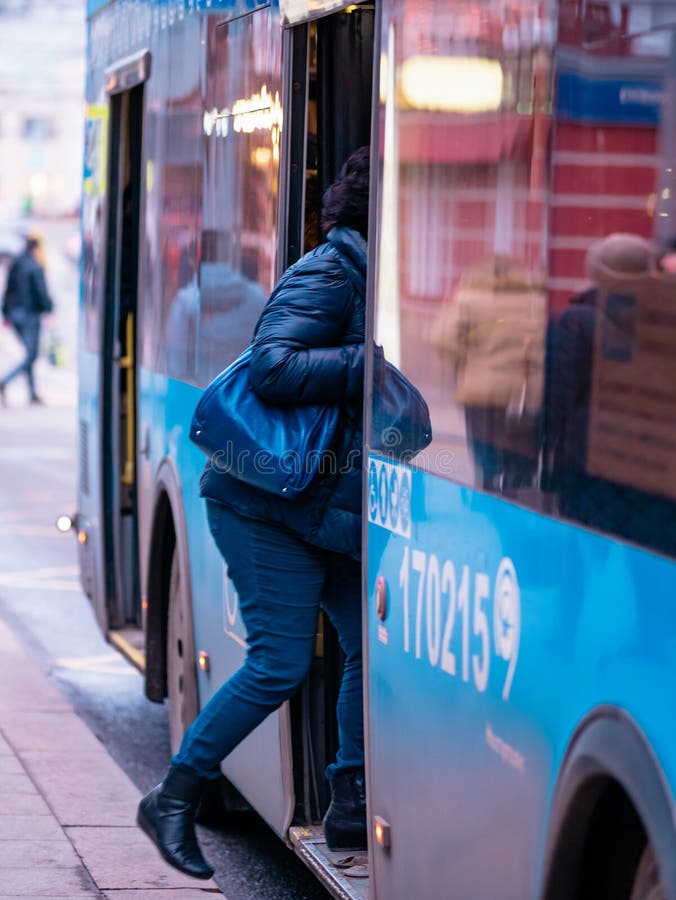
[(167, 815), (345, 819)]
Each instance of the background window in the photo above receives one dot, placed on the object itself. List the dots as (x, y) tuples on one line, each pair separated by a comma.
[(38, 128)]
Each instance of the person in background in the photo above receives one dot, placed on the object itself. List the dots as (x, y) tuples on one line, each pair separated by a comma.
[(596, 501), (183, 316), (492, 330), (288, 557), (25, 301)]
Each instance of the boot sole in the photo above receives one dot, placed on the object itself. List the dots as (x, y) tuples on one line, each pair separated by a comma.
[(147, 827), (347, 849), (356, 846)]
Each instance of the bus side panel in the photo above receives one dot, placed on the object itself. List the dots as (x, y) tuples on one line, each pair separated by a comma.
[(89, 497), (93, 227), (503, 630)]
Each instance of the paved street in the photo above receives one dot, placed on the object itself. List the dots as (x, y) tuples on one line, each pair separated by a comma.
[(66, 821), (41, 602)]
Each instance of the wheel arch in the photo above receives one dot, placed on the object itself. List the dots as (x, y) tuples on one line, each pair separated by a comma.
[(169, 531), (607, 752)]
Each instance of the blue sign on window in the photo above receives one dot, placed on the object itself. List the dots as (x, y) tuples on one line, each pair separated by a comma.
[(616, 101)]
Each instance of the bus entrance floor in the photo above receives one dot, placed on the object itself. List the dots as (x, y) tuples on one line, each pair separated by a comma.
[(67, 812), (345, 875)]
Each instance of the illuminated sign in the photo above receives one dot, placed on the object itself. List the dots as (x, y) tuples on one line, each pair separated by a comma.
[(295, 11), (457, 84), (261, 111)]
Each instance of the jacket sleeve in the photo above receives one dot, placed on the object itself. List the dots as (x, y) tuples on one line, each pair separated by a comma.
[(298, 351)]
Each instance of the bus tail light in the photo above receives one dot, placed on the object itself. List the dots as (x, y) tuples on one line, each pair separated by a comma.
[(381, 598), (383, 832), (66, 523)]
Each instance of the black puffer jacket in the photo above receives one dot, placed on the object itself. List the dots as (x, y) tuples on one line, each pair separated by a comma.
[(26, 292), (309, 348)]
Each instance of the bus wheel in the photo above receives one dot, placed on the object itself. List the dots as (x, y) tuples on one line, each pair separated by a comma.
[(181, 668), (648, 884)]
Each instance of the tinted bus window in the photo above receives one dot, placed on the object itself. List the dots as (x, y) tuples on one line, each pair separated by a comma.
[(173, 176), (242, 126), (524, 292), (93, 220)]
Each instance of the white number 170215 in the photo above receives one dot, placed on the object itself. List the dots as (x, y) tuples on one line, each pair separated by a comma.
[(435, 594)]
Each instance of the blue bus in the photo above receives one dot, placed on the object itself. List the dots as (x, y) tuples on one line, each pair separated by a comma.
[(518, 573)]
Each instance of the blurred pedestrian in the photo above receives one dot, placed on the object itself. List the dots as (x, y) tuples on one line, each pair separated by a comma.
[(493, 331), (25, 301)]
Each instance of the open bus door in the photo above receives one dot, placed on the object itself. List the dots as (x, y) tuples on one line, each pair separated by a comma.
[(118, 386), (330, 115)]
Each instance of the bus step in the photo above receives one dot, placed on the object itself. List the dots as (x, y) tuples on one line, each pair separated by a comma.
[(309, 844), (131, 643)]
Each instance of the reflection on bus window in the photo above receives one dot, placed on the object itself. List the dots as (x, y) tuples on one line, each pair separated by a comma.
[(230, 305), (611, 444), (546, 364), (492, 331), (238, 258), (182, 320)]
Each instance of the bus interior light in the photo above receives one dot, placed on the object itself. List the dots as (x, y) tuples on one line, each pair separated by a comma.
[(203, 662), (454, 84)]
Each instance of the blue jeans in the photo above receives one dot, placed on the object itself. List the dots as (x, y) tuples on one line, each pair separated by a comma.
[(27, 329), (281, 582)]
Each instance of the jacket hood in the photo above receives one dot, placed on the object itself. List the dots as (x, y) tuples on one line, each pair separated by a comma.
[(353, 249)]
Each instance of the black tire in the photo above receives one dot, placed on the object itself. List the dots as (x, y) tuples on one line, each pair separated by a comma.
[(648, 884), (181, 664)]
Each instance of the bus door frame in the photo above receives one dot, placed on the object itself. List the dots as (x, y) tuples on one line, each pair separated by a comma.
[(120, 533), (290, 248)]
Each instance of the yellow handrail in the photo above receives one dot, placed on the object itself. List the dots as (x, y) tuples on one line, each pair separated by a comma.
[(127, 363)]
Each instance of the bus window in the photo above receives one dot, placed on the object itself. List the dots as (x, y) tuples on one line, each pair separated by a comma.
[(173, 175), (242, 128), (93, 225), (609, 444), (517, 187)]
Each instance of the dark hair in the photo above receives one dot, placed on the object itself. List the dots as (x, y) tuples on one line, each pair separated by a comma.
[(31, 243), (346, 202)]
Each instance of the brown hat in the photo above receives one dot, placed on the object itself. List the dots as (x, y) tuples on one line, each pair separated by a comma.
[(620, 254)]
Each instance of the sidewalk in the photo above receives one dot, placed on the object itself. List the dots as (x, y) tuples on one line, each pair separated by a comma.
[(57, 385), (67, 811)]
